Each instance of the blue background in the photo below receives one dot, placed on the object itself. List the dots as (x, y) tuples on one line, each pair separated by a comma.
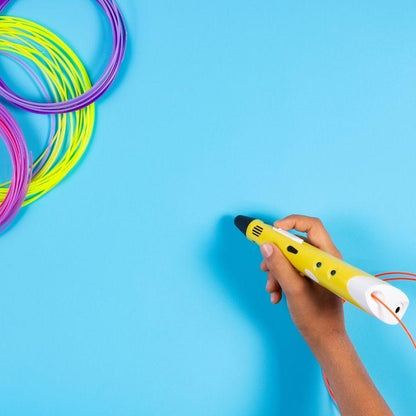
[(127, 290)]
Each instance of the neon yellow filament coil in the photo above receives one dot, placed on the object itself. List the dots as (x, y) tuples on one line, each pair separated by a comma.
[(65, 77)]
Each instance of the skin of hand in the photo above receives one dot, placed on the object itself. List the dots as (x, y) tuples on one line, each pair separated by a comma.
[(318, 315), (315, 310)]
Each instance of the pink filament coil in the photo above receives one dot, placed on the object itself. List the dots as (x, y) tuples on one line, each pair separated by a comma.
[(13, 138)]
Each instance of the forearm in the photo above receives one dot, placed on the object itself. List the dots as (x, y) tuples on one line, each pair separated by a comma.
[(319, 316), (353, 388)]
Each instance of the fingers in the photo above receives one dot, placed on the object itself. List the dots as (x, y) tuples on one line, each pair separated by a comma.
[(282, 271), (272, 284), (263, 266), (273, 287), (276, 297), (317, 234)]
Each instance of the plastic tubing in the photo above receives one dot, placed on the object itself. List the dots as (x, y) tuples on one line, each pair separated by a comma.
[(63, 76), (82, 100), (16, 145)]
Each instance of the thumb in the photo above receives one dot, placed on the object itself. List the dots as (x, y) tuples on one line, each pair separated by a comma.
[(288, 277)]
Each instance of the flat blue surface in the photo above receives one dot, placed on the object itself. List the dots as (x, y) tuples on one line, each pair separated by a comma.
[(127, 290)]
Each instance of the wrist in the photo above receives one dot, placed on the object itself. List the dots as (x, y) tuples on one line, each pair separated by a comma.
[(323, 342)]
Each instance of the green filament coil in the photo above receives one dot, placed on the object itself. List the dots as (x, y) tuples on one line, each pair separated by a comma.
[(65, 77)]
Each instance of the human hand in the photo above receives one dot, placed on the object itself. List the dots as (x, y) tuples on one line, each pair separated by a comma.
[(317, 313)]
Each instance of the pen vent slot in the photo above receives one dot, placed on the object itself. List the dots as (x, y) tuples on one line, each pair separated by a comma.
[(257, 230)]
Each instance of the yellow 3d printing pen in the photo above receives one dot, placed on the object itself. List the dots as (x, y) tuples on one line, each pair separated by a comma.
[(346, 281)]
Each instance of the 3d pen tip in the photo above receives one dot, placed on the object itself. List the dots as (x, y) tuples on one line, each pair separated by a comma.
[(242, 222)]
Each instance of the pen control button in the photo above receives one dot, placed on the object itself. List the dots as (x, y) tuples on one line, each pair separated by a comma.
[(292, 249)]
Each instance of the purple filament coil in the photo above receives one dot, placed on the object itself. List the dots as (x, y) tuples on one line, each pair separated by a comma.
[(119, 33), (13, 138), (38, 82)]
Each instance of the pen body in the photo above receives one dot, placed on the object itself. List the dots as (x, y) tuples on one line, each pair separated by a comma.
[(348, 282)]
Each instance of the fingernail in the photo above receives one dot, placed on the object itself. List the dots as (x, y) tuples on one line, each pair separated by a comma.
[(267, 249), (273, 297)]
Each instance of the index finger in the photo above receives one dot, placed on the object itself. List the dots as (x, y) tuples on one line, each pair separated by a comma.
[(313, 227)]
